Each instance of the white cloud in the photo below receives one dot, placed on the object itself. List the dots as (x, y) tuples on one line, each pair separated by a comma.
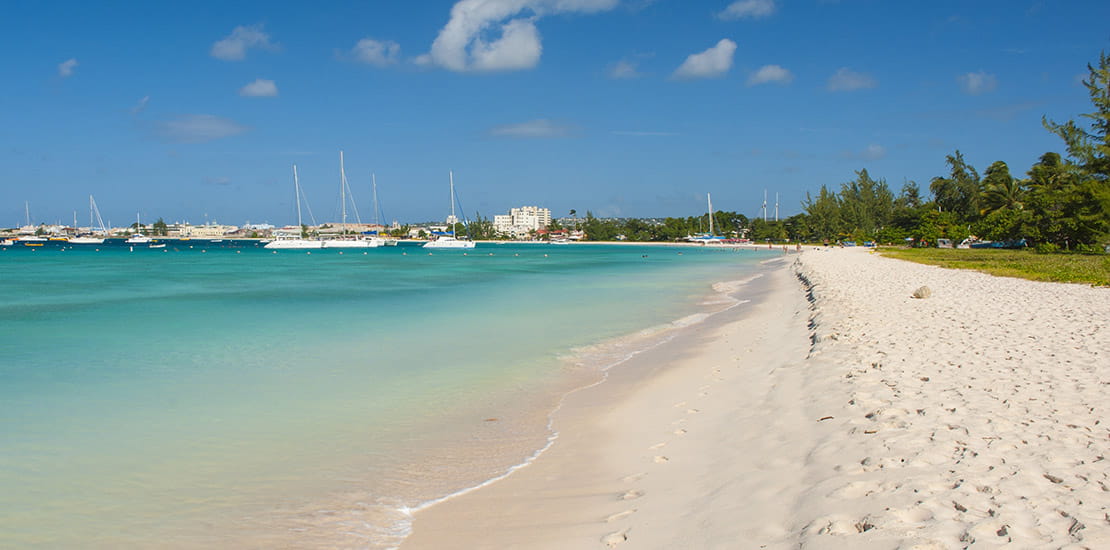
[(518, 48), (379, 53), (748, 9), (846, 80), (65, 68), (871, 152), (141, 105), (539, 128), (197, 128), (498, 35), (713, 62), (259, 88), (978, 83), (624, 69), (770, 74), (241, 39)]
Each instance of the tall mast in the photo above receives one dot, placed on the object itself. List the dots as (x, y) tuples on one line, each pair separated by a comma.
[(27, 211), (377, 209), (776, 206), (94, 210), (764, 205), (343, 191), (451, 176), (297, 191), (709, 199)]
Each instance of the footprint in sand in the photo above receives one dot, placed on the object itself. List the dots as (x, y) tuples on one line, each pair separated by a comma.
[(692, 411), (679, 421), (661, 459), (620, 515), (632, 495), (658, 446), (634, 477), (613, 539), (680, 404), (680, 431)]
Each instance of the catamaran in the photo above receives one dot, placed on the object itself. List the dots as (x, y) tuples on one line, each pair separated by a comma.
[(90, 239), (294, 242), (707, 238), (344, 193), (449, 241)]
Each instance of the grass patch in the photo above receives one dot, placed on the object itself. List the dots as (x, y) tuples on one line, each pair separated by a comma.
[(1025, 264)]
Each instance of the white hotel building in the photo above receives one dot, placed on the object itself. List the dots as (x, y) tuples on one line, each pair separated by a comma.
[(521, 221)]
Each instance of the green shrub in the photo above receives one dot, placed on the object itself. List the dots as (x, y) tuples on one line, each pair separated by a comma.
[(1046, 248)]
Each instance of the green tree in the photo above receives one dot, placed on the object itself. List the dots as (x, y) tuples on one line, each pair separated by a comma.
[(1081, 210), (959, 192), (160, 228), (825, 221), (910, 197), (599, 230), (1000, 190), (866, 205), (1090, 147), (481, 228)]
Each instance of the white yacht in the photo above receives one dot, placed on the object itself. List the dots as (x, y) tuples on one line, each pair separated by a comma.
[(291, 242), (138, 237), (94, 213), (449, 241), (345, 241)]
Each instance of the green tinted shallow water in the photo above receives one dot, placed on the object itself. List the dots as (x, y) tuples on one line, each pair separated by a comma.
[(190, 396)]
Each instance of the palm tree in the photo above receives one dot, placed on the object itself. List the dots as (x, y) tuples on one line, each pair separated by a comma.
[(1000, 190), (1007, 195)]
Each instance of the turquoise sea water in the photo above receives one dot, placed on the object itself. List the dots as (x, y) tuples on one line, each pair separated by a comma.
[(217, 396)]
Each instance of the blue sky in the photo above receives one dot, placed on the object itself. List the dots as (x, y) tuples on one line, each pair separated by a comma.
[(624, 107)]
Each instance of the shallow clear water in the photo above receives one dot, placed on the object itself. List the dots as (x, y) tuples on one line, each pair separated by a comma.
[(187, 397)]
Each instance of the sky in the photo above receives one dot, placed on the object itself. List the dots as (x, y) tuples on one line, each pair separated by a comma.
[(197, 111)]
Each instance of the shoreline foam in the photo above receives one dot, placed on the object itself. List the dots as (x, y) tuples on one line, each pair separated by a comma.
[(620, 351)]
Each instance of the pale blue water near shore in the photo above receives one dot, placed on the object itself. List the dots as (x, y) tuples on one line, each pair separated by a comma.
[(231, 397)]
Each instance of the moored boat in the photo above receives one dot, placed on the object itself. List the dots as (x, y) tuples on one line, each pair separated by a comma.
[(450, 241), (291, 241)]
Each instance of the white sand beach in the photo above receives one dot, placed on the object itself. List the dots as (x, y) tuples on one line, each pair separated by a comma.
[(833, 411)]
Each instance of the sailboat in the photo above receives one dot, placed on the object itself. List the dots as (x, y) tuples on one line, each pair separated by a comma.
[(90, 239), (449, 241), (30, 238), (378, 212), (287, 242), (710, 237), (138, 237), (344, 193)]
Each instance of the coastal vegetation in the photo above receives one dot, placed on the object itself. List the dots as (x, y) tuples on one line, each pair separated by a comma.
[(1092, 269), (1062, 203)]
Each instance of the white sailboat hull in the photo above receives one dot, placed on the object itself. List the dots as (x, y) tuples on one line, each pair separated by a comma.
[(449, 242), (294, 244), (86, 240), (360, 243)]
